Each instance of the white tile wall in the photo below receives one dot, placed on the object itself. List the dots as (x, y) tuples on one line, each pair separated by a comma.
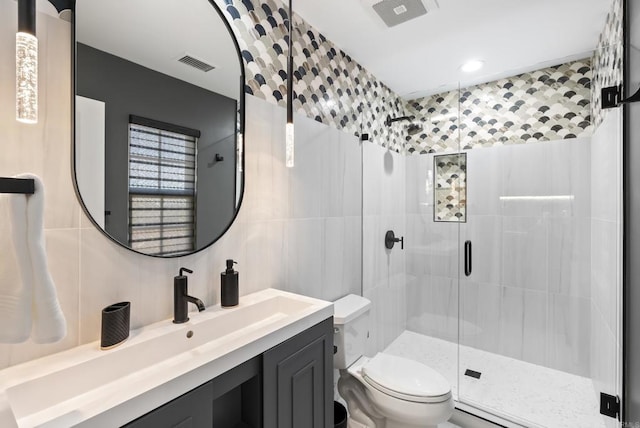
[(384, 278), (298, 229)]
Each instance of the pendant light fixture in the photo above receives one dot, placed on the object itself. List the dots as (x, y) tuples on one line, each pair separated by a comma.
[(26, 63), (289, 141)]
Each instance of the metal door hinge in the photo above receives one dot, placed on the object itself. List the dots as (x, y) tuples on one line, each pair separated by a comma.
[(612, 97), (610, 405)]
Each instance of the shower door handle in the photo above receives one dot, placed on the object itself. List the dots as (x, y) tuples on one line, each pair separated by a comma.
[(467, 258)]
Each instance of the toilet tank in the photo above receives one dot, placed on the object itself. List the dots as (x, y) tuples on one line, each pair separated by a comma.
[(351, 322)]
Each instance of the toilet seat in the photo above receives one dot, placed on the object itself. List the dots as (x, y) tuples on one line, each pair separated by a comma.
[(406, 379)]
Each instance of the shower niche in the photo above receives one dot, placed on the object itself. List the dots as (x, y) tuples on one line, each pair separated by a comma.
[(450, 188)]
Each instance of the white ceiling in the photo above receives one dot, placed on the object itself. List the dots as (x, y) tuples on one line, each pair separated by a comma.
[(423, 56), (155, 34)]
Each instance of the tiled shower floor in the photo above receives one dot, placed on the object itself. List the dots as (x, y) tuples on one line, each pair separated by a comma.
[(522, 392)]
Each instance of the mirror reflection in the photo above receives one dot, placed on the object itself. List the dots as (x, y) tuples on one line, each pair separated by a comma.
[(158, 122)]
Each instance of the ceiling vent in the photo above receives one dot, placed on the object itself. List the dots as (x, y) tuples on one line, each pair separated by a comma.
[(196, 63), (394, 12)]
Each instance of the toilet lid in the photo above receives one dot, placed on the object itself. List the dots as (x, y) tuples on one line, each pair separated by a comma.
[(406, 379)]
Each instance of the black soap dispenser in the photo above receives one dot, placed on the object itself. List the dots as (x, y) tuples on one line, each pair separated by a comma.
[(229, 286)]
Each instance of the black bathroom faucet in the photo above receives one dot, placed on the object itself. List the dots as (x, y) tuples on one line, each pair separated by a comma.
[(181, 298)]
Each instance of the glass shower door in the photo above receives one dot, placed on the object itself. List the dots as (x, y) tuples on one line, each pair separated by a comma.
[(432, 252), (542, 220)]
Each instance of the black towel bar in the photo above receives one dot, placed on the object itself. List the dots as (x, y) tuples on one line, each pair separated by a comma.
[(17, 185)]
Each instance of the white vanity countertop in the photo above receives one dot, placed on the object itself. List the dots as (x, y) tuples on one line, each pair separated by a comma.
[(86, 386)]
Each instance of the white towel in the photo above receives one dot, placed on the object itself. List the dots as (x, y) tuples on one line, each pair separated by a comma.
[(16, 279), (28, 304), (49, 324)]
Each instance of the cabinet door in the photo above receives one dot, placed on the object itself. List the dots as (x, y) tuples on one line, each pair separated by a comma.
[(298, 380), (192, 410)]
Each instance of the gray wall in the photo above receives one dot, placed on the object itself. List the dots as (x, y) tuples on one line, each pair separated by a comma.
[(632, 226), (128, 88)]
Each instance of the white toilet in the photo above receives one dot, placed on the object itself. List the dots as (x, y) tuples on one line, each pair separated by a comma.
[(384, 391)]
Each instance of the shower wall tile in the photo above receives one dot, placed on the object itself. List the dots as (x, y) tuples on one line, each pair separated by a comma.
[(383, 178), (432, 307), (419, 185), (568, 345), (486, 169), (479, 326), (344, 176), (524, 253), (417, 258), (569, 256), (443, 305), (342, 270), (388, 313), (523, 326), (604, 270), (524, 173), (440, 248), (380, 263), (543, 105), (606, 168), (384, 270), (569, 173)]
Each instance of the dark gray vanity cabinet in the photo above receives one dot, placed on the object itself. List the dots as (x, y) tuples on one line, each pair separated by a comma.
[(298, 380), (288, 386), (192, 410), (231, 400)]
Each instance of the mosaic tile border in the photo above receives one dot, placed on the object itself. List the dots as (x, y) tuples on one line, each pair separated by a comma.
[(329, 86), (607, 60), (548, 104), (332, 88)]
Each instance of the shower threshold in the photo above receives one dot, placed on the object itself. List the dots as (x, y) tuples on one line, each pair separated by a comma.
[(516, 392)]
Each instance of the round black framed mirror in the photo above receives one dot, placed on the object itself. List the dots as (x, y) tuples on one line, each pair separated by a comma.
[(159, 122)]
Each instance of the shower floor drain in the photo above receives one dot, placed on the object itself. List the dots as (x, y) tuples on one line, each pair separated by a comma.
[(472, 373)]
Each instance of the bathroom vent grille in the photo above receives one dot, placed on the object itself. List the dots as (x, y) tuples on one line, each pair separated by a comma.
[(196, 63), (394, 12)]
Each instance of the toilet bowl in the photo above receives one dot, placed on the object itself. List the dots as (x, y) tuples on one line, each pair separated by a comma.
[(385, 391)]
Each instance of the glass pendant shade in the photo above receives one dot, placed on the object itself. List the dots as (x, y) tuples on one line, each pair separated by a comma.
[(290, 145), (289, 140), (26, 78)]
